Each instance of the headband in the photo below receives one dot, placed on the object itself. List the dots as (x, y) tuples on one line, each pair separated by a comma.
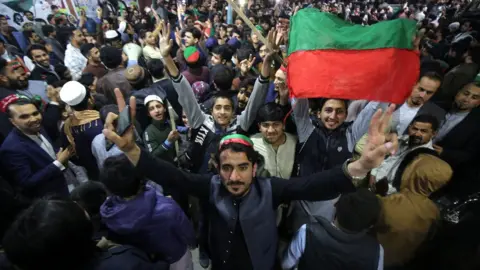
[(236, 138), (9, 100), (283, 69)]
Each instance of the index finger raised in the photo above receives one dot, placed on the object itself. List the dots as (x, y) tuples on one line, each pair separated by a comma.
[(120, 100)]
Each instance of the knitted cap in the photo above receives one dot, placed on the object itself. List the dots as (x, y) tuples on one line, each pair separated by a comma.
[(199, 89), (191, 54)]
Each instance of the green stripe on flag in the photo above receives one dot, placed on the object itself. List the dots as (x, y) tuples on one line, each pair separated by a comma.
[(311, 29)]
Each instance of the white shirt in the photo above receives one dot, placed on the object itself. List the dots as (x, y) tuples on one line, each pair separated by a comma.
[(47, 147), (405, 118), (75, 61), (7, 56)]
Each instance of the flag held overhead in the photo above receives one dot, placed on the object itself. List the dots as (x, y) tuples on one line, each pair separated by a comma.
[(329, 57)]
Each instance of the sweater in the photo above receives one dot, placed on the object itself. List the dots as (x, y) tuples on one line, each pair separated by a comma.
[(155, 139)]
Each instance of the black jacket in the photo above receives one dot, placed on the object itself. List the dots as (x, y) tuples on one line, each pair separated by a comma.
[(255, 213), (42, 74)]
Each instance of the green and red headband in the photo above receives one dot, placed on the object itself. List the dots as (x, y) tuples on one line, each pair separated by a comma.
[(236, 138)]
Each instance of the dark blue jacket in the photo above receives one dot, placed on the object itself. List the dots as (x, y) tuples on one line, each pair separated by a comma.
[(29, 168)]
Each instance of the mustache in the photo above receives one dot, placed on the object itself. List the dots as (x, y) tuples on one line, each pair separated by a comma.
[(235, 183)]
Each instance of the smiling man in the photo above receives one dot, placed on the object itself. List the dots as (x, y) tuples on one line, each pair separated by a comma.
[(242, 231), (43, 71)]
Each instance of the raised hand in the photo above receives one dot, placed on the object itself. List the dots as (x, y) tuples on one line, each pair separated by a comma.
[(379, 144), (165, 42), (126, 142)]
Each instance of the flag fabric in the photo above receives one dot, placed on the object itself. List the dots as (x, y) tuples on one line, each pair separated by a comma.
[(332, 58)]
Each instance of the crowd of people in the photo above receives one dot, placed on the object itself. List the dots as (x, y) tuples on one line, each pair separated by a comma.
[(132, 138)]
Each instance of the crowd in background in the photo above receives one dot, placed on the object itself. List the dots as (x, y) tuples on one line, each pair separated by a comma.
[(199, 92)]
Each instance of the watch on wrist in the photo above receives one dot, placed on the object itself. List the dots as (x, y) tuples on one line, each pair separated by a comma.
[(356, 180)]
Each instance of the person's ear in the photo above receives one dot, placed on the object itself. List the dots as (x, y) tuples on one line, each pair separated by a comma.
[(255, 170)]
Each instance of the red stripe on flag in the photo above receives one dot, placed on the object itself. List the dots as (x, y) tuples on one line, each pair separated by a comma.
[(382, 74)]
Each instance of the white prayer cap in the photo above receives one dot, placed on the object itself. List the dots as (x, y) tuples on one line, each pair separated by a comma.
[(454, 26), (72, 93), (111, 34), (152, 98)]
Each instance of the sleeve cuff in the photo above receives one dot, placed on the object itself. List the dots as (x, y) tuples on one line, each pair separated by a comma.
[(166, 144), (59, 165), (177, 79), (263, 79)]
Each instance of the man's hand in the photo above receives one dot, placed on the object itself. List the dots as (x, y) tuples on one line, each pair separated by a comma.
[(283, 95), (378, 145), (173, 136), (165, 42), (64, 155), (438, 149), (271, 51), (126, 142)]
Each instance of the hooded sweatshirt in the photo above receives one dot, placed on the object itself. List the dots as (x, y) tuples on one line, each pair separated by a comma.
[(407, 216), (154, 223)]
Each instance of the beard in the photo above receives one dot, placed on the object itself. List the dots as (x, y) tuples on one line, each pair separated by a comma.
[(18, 85), (415, 141)]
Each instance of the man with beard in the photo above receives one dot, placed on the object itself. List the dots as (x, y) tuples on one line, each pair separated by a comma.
[(246, 88), (27, 156), (420, 134), (43, 71), (242, 233), (50, 37), (458, 140), (74, 59), (94, 63)]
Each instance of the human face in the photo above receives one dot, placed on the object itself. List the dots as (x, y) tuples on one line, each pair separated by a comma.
[(26, 118), (423, 91), (35, 38), (150, 39), (3, 25), (78, 38), (14, 78), (190, 23), (280, 78), (466, 27), (236, 171), (272, 131), (185, 119), (333, 113), (229, 31), (216, 59), (263, 52), (468, 98), (420, 133), (95, 55), (243, 96), (255, 39), (41, 57), (93, 87), (222, 111), (189, 39), (156, 110), (223, 32), (239, 24)]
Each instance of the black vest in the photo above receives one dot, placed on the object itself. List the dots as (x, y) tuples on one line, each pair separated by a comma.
[(323, 150), (327, 247), (257, 219)]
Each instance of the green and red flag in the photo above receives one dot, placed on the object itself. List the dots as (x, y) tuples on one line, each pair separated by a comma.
[(332, 58)]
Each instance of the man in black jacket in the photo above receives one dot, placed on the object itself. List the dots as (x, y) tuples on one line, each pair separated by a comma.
[(242, 206), (43, 71)]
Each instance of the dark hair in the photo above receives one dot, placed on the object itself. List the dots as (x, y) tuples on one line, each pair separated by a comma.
[(357, 211), (57, 84), (120, 176), (225, 95), (40, 235), (58, 20), (3, 65), (21, 101), (47, 29), (250, 81), (322, 101), (28, 33), (432, 75), (244, 54), (49, 18), (25, 12), (90, 196), (109, 108), (252, 155), (270, 112), (156, 68), (474, 52), (222, 77), (52, 7), (427, 118), (87, 79), (195, 32), (35, 47), (224, 51)]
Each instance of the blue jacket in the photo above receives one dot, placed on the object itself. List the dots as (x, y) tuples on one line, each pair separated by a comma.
[(20, 38), (152, 222), (29, 168)]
